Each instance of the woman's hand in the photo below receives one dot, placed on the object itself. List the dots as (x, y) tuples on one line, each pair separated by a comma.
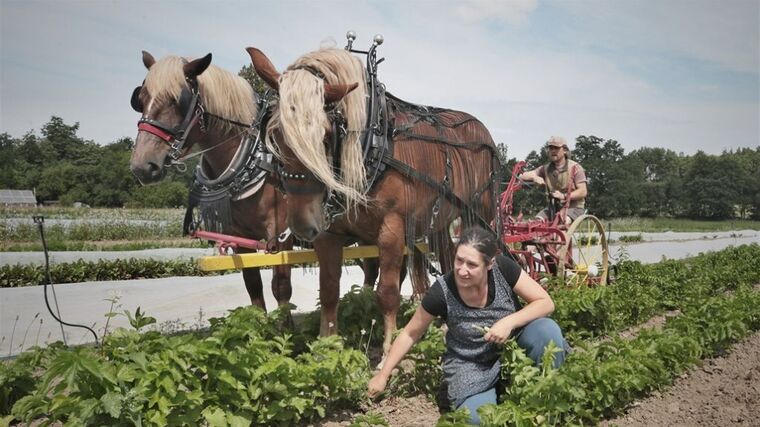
[(500, 331), (377, 385)]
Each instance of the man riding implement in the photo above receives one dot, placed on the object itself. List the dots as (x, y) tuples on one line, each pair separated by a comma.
[(564, 179)]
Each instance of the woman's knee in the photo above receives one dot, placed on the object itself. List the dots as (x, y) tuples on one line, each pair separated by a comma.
[(536, 336), (474, 402)]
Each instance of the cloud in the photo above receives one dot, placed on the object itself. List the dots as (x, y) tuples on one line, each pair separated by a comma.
[(495, 60), (515, 12), (724, 33)]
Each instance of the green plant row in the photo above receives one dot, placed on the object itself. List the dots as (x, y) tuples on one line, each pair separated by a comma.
[(679, 224), (245, 372), (92, 231), (152, 379), (631, 238), (69, 245), (603, 379), (642, 291), (62, 212), (12, 276)]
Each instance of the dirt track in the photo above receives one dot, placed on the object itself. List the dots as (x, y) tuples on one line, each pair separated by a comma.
[(722, 391)]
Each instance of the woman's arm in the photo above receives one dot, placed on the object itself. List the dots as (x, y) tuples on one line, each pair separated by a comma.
[(411, 333), (539, 305)]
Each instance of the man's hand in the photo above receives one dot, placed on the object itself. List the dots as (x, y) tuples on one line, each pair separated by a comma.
[(558, 195), (499, 332), (377, 385), (539, 181)]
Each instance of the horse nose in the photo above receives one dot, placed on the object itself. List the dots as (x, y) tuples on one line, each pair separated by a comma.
[(147, 172)]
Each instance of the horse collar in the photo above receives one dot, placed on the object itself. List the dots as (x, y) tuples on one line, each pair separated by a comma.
[(242, 178)]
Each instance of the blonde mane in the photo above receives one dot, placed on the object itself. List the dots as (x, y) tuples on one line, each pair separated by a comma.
[(224, 94), (303, 121)]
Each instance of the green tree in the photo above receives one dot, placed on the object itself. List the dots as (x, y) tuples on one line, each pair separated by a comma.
[(7, 159), (748, 186), (248, 73), (612, 184), (710, 187), (661, 180), (60, 141), (162, 195)]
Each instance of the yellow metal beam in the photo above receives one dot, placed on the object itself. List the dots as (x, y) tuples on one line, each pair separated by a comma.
[(304, 256)]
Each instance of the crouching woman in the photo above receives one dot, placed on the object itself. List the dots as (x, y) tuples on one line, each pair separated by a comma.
[(478, 302)]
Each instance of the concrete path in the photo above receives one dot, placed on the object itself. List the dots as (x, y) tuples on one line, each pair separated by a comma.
[(188, 302)]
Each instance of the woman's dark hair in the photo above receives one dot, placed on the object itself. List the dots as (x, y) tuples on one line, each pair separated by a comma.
[(480, 239)]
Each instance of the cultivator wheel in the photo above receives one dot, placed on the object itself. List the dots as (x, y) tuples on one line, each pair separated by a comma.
[(584, 259)]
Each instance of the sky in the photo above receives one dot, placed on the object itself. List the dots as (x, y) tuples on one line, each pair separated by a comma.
[(677, 74)]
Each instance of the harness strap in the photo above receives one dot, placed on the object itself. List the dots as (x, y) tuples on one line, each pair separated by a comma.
[(157, 131), (452, 198), (224, 119), (470, 145)]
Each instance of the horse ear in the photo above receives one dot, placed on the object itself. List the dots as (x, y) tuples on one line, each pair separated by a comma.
[(334, 93), (148, 60), (264, 68), (196, 67)]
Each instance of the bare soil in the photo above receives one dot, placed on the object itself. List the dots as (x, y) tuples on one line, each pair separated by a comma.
[(722, 391)]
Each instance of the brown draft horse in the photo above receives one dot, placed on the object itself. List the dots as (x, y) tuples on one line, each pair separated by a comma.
[(227, 108), (444, 145)]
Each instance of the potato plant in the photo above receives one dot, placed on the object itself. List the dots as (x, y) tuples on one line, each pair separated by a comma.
[(247, 371)]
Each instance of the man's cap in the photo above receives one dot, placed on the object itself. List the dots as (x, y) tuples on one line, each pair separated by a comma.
[(556, 141)]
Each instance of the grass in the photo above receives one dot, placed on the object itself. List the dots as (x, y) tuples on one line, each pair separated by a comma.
[(677, 224)]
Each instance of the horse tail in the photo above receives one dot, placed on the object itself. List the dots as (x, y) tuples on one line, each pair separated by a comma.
[(419, 277)]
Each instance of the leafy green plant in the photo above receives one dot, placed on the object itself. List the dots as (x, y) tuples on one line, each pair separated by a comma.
[(631, 238), (88, 271), (245, 370), (359, 318), (369, 419)]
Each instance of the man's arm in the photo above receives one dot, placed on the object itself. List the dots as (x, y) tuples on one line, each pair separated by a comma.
[(533, 176), (580, 192)]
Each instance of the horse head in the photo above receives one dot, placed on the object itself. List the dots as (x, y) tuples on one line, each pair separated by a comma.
[(316, 140), (171, 112)]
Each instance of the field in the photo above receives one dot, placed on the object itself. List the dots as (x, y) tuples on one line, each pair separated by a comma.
[(246, 369), (661, 345)]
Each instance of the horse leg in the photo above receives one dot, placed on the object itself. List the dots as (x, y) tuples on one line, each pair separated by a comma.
[(371, 269), (329, 249), (252, 279), (281, 285), (282, 291), (390, 243)]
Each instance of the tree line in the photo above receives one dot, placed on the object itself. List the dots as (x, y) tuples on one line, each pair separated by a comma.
[(648, 182), (61, 166)]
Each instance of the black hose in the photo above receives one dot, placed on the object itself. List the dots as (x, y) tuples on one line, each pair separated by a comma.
[(40, 221)]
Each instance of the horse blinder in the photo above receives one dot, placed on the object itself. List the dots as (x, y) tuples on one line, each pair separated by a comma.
[(136, 103)]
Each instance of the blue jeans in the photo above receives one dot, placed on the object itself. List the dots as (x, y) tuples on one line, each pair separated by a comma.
[(533, 338)]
